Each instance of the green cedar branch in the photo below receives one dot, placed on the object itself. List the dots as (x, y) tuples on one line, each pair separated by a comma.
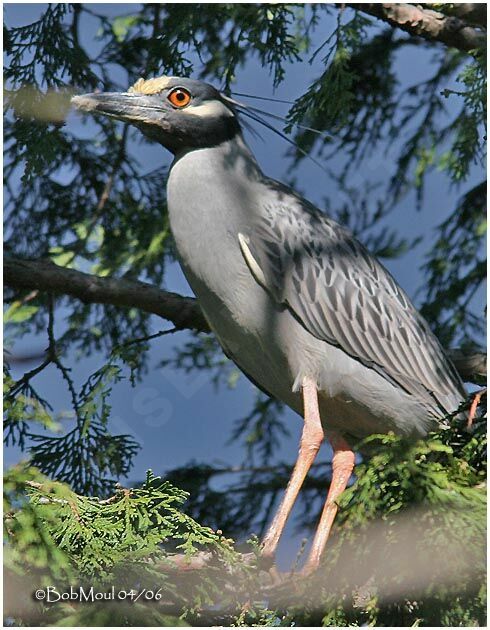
[(183, 312), (432, 25)]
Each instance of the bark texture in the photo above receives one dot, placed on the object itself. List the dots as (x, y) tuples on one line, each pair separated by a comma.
[(450, 30), (183, 312)]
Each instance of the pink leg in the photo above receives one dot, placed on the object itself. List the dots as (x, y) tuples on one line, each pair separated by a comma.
[(342, 466), (474, 406), (309, 445)]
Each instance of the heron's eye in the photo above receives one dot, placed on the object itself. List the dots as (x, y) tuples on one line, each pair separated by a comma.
[(179, 97)]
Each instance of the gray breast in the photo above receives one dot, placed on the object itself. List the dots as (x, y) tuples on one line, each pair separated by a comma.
[(291, 294)]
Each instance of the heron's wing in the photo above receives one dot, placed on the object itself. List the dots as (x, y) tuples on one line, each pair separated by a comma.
[(343, 295)]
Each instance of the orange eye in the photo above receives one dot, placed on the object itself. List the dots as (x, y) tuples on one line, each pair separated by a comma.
[(179, 97)]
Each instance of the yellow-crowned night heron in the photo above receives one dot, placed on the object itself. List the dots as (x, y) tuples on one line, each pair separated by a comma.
[(294, 299)]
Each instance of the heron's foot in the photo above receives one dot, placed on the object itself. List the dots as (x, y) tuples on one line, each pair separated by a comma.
[(309, 569), (266, 561), (249, 558)]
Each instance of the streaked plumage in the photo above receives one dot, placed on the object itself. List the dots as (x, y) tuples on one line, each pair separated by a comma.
[(344, 296), (294, 299), (321, 289)]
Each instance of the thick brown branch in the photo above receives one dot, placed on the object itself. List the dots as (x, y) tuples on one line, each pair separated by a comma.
[(183, 312), (432, 25), (471, 12), (44, 275)]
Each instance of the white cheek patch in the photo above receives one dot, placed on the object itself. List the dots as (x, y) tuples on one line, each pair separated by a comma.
[(213, 109)]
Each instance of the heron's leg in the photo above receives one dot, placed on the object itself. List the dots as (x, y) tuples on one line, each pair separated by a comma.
[(309, 445), (342, 465), (474, 406)]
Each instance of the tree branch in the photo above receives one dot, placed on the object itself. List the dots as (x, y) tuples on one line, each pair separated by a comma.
[(183, 312), (432, 25), (471, 13), (44, 275)]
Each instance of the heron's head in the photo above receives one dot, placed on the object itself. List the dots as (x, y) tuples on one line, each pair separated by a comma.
[(179, 113)]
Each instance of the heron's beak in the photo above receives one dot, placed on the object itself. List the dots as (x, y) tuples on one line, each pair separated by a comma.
[(132, 108)]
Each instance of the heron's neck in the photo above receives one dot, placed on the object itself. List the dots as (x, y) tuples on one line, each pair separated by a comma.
[(231, 156)]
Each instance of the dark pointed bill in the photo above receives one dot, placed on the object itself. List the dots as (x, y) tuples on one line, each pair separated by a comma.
[(124, 106)]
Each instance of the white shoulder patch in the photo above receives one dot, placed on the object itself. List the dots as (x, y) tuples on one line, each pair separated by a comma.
[(250, 260)]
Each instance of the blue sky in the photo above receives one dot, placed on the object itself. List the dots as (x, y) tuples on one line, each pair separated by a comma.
[(178, 418)]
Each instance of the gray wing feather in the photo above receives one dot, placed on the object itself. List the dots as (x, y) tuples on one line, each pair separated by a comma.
[(343, 295)]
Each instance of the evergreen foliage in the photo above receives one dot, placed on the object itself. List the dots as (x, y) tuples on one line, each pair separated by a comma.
[(409, 540), (408, 547)]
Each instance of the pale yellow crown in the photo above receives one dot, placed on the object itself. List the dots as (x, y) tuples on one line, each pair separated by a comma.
[(149, 86)]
